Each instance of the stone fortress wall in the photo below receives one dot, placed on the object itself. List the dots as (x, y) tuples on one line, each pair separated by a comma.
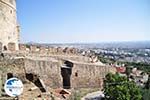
[(48, 64), (9, 29), (57, 66), (82, 75), (55, 73)]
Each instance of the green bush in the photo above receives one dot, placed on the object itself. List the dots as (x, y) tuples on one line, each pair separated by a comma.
[(119, 88)]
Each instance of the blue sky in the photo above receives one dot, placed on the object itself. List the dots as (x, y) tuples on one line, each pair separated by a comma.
[(72, 21)]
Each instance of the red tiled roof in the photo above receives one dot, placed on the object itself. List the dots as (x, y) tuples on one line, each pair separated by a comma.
[(121, 69)]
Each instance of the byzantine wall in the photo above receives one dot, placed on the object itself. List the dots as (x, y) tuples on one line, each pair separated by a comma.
[(57, 66), (82, 75), (54, 72), (9, 30)]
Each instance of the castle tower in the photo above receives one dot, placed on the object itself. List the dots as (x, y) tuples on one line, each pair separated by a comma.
[(9, 30)]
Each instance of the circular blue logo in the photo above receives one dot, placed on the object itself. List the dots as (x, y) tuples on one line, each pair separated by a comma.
[(13, 87)]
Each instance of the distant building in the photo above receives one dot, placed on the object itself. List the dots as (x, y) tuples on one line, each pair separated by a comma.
[(121, 69)]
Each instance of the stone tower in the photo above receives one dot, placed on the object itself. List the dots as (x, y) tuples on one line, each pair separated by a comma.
[(9, 29)]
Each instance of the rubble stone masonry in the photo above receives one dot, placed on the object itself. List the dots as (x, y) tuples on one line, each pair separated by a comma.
[(49, 69)]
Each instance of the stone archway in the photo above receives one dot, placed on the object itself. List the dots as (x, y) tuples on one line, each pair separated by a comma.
[(11, 46)]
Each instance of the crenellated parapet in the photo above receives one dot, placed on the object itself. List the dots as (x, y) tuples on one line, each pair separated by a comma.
[(45, 50)]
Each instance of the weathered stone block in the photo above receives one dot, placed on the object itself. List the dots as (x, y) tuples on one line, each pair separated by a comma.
[(59, 50), (11, 46), (22, 47), (43, 50)]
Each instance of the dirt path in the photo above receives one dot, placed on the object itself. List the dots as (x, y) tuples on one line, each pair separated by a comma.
[(93, 96)]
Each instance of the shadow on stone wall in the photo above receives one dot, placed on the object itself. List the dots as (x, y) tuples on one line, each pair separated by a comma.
[(35, 79)]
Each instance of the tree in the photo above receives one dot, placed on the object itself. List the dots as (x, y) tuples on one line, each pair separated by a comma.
[(145, 94), (120, 88), (146, 90)]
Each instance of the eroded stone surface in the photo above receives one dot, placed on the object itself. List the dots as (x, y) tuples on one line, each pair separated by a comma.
[(9, 30)]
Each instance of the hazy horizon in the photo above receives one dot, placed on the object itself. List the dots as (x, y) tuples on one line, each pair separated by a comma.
[(83, 21), (143, 41)]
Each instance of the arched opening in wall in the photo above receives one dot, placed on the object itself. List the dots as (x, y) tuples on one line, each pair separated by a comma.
[(5, 48), (9, 75), (66, 71), (36, 80)]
